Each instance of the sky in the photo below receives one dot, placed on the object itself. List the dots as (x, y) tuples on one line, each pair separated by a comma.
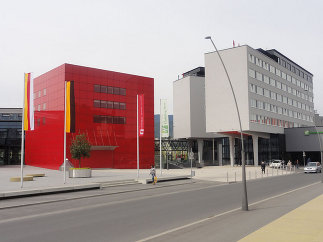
[(155, 38)]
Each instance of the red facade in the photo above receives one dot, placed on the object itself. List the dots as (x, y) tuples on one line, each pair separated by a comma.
[(105, 111)]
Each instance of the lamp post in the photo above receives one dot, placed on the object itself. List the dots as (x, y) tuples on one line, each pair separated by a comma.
[(244, 183)]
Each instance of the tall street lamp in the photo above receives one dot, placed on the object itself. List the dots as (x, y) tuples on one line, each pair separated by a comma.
[(244, 183)]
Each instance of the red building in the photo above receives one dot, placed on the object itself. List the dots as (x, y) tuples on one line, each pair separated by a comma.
[(105, 111)]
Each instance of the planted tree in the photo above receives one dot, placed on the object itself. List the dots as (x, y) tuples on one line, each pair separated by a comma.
[(80, 148)]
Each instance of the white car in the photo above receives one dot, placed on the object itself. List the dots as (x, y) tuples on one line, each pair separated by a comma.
[(313, 167), (276, 164)]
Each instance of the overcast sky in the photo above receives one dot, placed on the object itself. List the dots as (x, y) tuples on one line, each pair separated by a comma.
[(154, 38)]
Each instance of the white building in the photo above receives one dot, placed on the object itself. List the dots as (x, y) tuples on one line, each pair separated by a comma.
[(272, 92)]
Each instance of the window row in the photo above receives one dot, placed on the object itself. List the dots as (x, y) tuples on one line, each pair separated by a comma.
[(277, 72), (276, 109), (255, 118), (270, 81), (40, 107), (110, 90), (289, 66), (280, 98), (38, 94), (109, 104), (109, 119)]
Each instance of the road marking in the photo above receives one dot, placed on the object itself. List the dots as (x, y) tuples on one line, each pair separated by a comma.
[(100, 205), (221, 214)]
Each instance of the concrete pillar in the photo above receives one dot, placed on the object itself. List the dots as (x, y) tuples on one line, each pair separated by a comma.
[(255, 149), (231, 142), (220, 153), (213, 151), (200, 150)]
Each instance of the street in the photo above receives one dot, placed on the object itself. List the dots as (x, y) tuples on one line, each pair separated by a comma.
[(176, 211)]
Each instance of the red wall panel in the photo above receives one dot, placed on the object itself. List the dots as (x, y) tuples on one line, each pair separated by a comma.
[(44, 145)]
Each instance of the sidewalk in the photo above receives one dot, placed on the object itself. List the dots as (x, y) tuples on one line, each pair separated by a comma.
[(302, 224), (54, 180)]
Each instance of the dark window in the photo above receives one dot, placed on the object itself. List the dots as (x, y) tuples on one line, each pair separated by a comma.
[(122, 120), (38, 122), (96, 103), (103, 104), (122, 106), (103, 89), (283, 63), (302, 74), (288, 66), (97, 88), (123, 91), (44, 120), (110, 104), (116, 90), (297, 72), (109, 119), (116, 105), (3, 133), (293, 69), (96, 119), (110, 90)]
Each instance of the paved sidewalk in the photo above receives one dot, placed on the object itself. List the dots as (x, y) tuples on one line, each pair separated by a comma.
[(302, 224), (55, 179)]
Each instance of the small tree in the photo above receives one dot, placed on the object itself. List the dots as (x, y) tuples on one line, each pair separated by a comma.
[(80, 148)]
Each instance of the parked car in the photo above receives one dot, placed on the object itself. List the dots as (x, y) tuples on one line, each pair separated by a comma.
[(276, 164), (313, 167)]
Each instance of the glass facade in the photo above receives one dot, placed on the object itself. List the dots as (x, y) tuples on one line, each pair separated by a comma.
[(10, 136)]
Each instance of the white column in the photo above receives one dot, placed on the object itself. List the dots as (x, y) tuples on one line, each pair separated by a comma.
[(255, 149), (200, 150), (231, 142), (220, 153)]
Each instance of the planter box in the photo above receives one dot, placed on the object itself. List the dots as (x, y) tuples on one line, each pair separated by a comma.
[(80, 172)]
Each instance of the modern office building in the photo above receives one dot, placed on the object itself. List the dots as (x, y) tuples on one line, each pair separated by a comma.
[(10, 136), (105, 111), (272, 92)]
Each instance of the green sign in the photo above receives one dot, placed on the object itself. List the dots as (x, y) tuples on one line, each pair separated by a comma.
[(307, 132)]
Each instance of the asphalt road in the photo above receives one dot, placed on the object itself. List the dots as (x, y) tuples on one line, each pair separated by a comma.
[(181, 211)]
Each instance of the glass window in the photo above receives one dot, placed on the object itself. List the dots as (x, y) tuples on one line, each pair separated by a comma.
[(44, 106), (289, 89), (109, 119), (96, 119), (290, 113), (97, 88), (266, 79), (103, 89), (295, 103), (298, 83), (252, 73), (290, 101), (259, 76), (279, 97), (253, 88), (284, 88), (251, 58), (297, 71), (44, 120), (123, 91), (38, 122), (283, 63), (272, 82), (116, 105), (109, 104), (293, 80), (253, 103), (279, 110), (288, 66), (103, 104), (116, 90), (294, 91), (273, 95), (260, 90), (110, 90), (260, 104), (277, 72), (289, 78), (96, 103), (278, 85), (284, 75), (258, 62), (284, 99), (44, 92), (39, 93), (302, 85), (266, 93), (272, 69), (38, 108), (265, 66), (122, 106)]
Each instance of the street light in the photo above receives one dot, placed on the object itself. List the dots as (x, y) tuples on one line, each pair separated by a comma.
[(244, 183)]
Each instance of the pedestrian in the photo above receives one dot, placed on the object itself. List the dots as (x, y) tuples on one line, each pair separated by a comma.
[(263, 167), (153, 174), (297, 164), (289, 165), (308, 160)]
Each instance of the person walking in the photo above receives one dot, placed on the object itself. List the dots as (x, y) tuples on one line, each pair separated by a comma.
[(153, 174), (263, 167), (297, 164)]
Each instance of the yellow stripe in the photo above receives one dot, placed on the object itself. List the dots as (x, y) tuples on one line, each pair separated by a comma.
[(68, 107), (26, 124)]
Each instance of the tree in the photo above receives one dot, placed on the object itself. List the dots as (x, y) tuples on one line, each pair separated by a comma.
[(80, 148)]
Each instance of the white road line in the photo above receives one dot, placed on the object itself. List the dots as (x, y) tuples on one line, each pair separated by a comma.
[(101, 205), (221, 214)]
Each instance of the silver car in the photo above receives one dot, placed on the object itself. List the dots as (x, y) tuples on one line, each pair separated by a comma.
[(313, 167)]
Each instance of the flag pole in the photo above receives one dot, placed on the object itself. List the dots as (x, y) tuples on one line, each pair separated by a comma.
[(22, 138), (137, 138), (64, 132), (160, 138)]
